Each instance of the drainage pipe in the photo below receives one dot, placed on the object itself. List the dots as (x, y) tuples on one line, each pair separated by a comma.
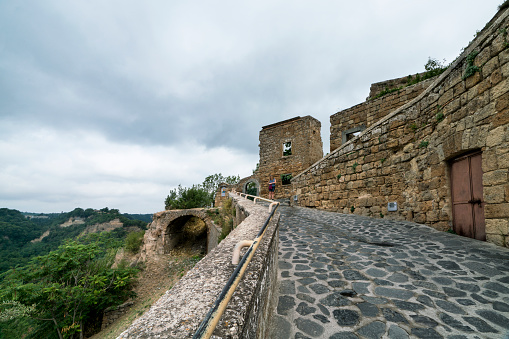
[(208, 324)]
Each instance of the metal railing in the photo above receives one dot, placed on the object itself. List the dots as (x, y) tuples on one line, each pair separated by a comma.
[(208, 324)]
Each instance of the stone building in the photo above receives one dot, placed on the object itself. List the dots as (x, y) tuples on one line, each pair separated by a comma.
[(286, 149), (436, 153)]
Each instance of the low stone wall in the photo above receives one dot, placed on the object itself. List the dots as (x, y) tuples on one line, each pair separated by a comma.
[(179, 312), (406, 156)]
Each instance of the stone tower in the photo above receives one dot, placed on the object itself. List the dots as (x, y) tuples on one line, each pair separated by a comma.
[(286, 149)]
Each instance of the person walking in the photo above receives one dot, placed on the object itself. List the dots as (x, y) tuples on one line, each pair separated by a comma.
[(272, 187)]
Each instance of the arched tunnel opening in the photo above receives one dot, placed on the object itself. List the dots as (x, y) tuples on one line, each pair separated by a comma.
[(186, 235)]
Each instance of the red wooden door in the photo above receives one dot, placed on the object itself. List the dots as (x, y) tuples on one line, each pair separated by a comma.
[(467, 196)]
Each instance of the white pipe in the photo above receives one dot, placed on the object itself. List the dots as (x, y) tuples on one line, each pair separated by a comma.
[(238, 247), (274, 204)]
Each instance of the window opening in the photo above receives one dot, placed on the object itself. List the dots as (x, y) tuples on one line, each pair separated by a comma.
[(286, 179), (352, 135), (287, 148)]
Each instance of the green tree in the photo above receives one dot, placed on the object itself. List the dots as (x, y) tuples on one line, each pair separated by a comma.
[(184, 198), (66, 288), (198, 195)]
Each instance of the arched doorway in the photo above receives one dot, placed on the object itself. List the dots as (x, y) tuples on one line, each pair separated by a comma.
[(252, 187)]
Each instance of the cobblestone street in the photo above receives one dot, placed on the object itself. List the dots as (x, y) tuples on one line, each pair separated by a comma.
[(347, 276)]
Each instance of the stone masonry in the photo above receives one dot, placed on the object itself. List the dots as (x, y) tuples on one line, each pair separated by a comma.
[(405, 157), (306, 148), (361, 116)]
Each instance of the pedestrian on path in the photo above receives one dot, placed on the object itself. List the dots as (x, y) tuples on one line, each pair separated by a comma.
[(272, 186)]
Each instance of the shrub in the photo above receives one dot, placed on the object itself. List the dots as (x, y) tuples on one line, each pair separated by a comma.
[(133, 241)]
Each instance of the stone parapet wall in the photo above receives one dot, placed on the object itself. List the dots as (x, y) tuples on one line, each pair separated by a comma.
[(366, 114), (179, 312), (405, 156)]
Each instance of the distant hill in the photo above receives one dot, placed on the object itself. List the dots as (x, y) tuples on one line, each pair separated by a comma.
[(24, 235)]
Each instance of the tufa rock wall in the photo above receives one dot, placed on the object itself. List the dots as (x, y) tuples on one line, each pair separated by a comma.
[(406, 156)]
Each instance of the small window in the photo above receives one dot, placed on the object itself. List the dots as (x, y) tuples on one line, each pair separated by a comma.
[(286, 179), (287, 148), (352, 135)]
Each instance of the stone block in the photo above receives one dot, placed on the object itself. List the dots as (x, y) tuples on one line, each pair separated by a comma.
[(490, 66), (496, 177), (496, 77), (494, 194), (497, 226), (445, 98), (496, 210), (496, 239), (473, 80), (496, 136), (499, 90)]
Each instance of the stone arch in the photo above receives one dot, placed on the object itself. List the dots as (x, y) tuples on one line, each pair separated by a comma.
[(249, 182), (167, 231)]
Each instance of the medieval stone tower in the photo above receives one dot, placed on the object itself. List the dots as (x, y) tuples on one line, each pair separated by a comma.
[(286, 149)]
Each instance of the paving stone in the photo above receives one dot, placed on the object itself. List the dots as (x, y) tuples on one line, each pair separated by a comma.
[(321, 318), (304, 274), (368, 309), (393, 293), (480, 325), (375, 300), (306, 281), (393, 316), (396, 332), (426, 284), (449, 307), (454, 293), (494, 318), (354, 275), (465, 302), (285, 274), (319, 288), (381, 282), (287, 287), (360, 287), (448, 265), (425, 333), (346, 317), (500, 306), (450, 321), (344, 335), (285, 304), (489, 294), (468, 287), (336, 283), (426, 321), (373, 330), (303, 289), (398, 278), (306, 297), (479, 298), (335, 299), (282, 327), (494, 286), (408, 306), (309, 327), (304, 309), (375, 272), (435, 294), (323, 309)]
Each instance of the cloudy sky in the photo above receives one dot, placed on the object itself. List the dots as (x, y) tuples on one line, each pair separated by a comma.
[(114, 103)]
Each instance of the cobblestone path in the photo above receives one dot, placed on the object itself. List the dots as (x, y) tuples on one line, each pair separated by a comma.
[(346, 276)]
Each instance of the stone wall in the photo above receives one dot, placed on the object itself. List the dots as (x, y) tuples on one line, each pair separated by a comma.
[(179, 312), (306, 148), (378, 87), (405, 156), (361, 116)]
